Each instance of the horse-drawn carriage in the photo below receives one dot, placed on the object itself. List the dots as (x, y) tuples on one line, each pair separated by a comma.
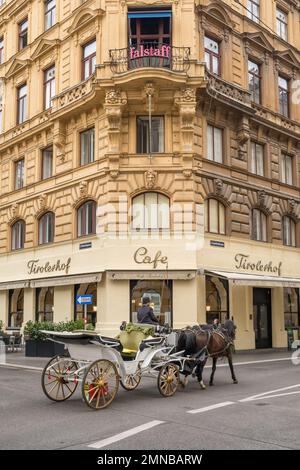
[(99, 365)]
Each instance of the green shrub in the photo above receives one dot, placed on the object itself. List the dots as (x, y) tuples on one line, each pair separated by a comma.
[(32, 329), (90, 327), (147, 330), (1, 325)]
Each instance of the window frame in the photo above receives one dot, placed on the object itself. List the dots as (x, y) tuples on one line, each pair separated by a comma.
[(142, 122), (292, 242), (146, 225), (262, 218), (207, 223), (22, 178), (22, 34), (22, 105), (44, 239), (91, 148), (285, 157), (284, 105), (18, 239), (46, 149), (83, 208), (88, 59), (48, 83), (252, 4), (214, 159), (52, 14), (256, 77), (255, 145), (1, 49), (280, 23), (212, 54)]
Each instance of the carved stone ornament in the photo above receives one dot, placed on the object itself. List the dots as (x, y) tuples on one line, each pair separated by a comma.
[(83, 188), (218, 184), (14, 210), (114, 174), (292, 206), (150, 179), (149, 89), (188, 95), (42, 202), (114, 97), (262, 197)]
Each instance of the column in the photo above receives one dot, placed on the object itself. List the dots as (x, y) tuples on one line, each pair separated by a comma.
[(4, 306), (241, 309), (184, 303), (29, 305), (279, 335), (63, 303)]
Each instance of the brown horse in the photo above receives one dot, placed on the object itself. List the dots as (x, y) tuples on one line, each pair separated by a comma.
[(204, 342)]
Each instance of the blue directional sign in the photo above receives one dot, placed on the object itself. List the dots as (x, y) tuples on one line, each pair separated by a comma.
[(84, 299)]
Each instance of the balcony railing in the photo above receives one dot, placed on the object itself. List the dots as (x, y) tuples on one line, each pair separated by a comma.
[(151, 54)]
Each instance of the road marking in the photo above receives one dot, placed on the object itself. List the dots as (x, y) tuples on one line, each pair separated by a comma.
[(252, 362), (269, 394), (18, 366), (211, 407), (124, 435)]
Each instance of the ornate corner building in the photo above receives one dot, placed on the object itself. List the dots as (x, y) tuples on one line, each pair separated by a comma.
[(151, 149)]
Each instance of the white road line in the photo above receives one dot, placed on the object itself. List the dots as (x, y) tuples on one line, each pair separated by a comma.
[(123, 435), (251, 362), (18, 366), (211, 407), (267, 394)]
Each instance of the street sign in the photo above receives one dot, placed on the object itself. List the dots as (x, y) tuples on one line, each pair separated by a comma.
[(84, 299), (84, 246)]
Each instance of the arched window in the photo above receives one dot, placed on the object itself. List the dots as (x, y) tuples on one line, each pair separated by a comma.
[(18, 235), (215, 217), (289, 231), (16, 308), (216, 299), (86, 219), (150, 211), (46, 228), (259, 225), (44, 304)]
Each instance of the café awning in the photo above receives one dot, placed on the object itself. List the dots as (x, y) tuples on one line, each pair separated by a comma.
[(162, 274), (14, 285), (255, 280), (66, 280)]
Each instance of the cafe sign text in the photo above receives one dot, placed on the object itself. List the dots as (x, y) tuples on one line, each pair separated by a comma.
[(141, 256), (246, 263), (35, 267)]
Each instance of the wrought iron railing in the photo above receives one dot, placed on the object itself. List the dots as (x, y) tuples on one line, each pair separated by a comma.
[(151, 54)]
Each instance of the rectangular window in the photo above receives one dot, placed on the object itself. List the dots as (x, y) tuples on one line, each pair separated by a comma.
[(259, 226), (282, 24), (47, 162), (22, 104), (253, 10), (254, 81), (1, 50), (50, 7), (88, 59), (49, 86), (283, 91), (212, 55), (150, 140), (1, 114), (87, 146), (19, 174), (214, 144), (257, 159), (287, 169), (23, 34)]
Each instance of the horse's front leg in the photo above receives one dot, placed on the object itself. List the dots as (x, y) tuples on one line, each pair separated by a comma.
[(199, 372), (214, 366), (231, 368)]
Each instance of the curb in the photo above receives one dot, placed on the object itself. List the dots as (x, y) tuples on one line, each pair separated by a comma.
[(19, 366)]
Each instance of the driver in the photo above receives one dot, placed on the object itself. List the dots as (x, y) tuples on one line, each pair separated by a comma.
[(146, 314)]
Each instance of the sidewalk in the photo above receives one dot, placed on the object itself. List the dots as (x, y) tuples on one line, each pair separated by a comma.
[(19, 359)]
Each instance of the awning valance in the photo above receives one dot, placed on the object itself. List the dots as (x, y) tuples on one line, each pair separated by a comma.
[(66, 280), (127, 275), (242, 279), (14, 285)]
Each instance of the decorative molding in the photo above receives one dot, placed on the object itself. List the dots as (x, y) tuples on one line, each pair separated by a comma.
[(150, 177)]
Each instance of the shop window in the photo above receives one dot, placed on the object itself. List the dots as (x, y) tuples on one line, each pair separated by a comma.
[(217, 299), (254, 81), (291, 307), (215, 217), (86, 289), (16, 308), (87, 146), (88, 59), (259, 225), (46, 228), (253, 10), (150, 140), (289, 231), (160, 294), (212, 55), (214, 144), (86, 219), (44, 304), (18, 235), (257, 159), (150, 211)]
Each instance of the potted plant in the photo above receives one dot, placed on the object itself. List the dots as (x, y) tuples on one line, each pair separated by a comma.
[(37, 344)]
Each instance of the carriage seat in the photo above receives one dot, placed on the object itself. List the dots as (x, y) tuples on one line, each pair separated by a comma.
[(112, 342), (147, 343)]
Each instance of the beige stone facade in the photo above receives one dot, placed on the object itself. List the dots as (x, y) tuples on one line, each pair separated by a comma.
[(191, 101)]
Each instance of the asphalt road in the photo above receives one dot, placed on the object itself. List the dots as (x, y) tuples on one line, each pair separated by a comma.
[(214, 418)]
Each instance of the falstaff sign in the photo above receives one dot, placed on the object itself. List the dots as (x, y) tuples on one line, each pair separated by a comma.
[(35, 267), (246, 263), (142, 51)]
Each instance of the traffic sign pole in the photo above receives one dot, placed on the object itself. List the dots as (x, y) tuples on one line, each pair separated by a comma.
[(85, 316)]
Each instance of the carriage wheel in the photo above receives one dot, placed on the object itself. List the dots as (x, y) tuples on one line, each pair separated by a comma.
[(131, 381), (168, 380), (55, 384), (100, 384)]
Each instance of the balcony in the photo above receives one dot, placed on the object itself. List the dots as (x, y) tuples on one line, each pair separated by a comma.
[(151, 54)]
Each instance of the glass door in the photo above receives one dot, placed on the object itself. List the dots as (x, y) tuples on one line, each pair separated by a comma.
[(262, 318)]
